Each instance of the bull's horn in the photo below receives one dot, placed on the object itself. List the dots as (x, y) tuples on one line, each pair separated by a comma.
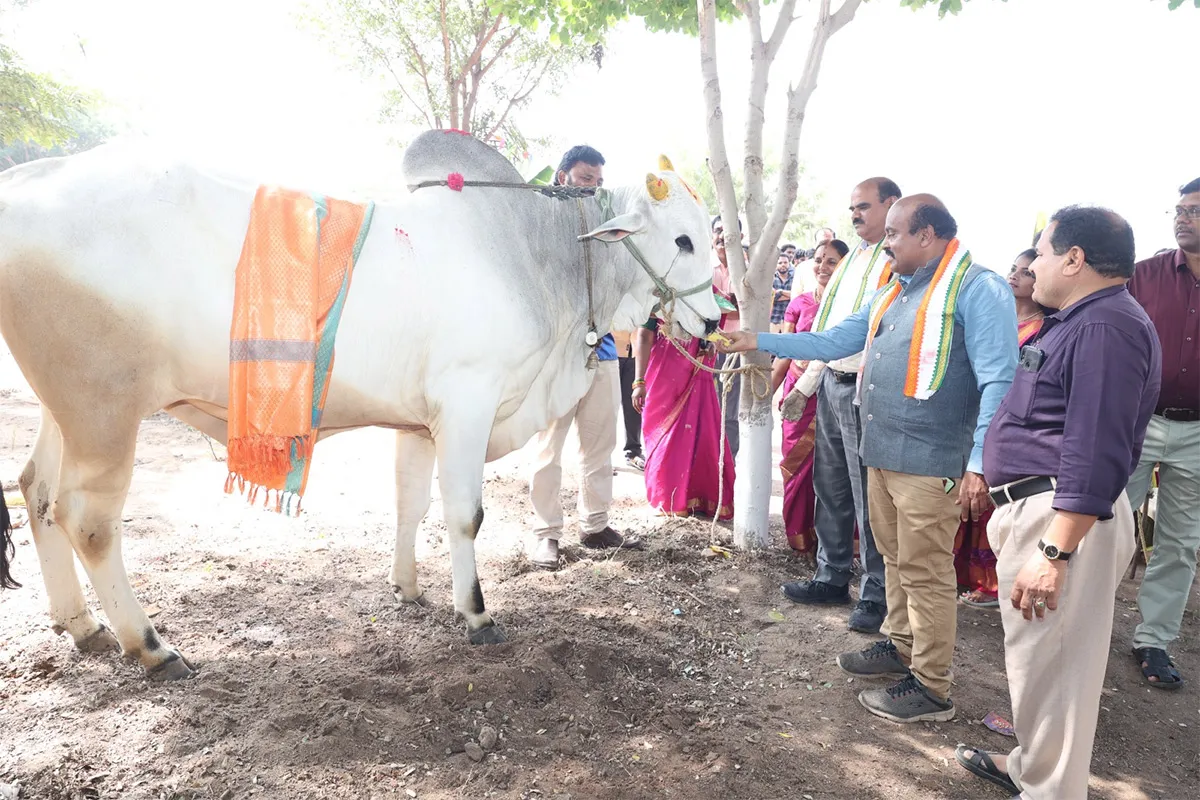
[(657, 187), (664, 164)]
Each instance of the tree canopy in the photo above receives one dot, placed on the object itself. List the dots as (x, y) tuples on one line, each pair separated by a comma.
[(451, 63)]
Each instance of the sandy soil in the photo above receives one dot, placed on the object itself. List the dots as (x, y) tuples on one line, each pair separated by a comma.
[(664, 674)]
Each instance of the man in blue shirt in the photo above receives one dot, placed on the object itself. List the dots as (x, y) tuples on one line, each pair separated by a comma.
[(595, 420), (940, 345)]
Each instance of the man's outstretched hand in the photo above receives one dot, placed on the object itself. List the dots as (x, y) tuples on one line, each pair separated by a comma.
[(738, 341)]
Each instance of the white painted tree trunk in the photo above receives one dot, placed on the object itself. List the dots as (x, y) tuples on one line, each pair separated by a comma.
[(752, 489)]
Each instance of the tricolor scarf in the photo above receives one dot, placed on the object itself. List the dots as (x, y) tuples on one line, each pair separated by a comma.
[(291, 284), (933, 330), (840, 302)]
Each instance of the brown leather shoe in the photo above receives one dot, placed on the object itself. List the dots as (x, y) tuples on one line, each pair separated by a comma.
[(609, 538)]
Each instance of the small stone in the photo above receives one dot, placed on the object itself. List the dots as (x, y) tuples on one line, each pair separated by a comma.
[(487, 738), (474, 751), (9, 791)]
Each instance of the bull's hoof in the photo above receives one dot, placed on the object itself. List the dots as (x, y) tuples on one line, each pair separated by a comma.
[(175, 668), (101, 641), (489, 635), (417, 600)]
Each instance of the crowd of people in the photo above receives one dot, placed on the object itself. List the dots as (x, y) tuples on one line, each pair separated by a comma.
[(962, 436)]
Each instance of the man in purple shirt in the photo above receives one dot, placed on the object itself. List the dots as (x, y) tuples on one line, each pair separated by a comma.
[(1059, 452), (1168, 287)]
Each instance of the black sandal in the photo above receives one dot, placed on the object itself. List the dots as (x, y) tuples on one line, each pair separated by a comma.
[(980, 764), (1158, 665)]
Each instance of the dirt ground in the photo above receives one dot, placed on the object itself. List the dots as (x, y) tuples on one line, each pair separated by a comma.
[(671, 673)]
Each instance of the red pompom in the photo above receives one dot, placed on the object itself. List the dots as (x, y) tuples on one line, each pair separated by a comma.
[(455, 181)]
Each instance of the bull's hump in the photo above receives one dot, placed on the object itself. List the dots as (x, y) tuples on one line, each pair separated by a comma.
[(435, 154)]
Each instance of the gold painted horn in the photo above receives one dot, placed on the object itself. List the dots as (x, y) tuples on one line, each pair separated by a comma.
[(664, 164), (657, 187)]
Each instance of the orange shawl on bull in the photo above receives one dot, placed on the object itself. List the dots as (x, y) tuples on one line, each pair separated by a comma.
[(292, 280)]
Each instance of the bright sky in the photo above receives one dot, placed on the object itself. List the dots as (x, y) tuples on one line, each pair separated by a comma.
[(1009, 109)]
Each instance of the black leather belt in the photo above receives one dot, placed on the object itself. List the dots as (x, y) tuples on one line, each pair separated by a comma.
[(1179, 414), (844, 377), (1019, 490)]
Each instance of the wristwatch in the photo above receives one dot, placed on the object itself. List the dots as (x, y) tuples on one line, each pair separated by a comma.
[(1052, 552)]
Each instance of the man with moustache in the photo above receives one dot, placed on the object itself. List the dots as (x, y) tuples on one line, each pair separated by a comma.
[(1058, 455), (1168, 288), (940, 344), (595, 421), (839, 477)]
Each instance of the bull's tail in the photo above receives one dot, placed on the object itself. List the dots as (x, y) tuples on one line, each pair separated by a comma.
[(7, 548)]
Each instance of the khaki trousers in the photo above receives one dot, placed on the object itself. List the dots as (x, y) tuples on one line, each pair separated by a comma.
[(914, 520), (595, 420), (1174, 447), (1056, 665)]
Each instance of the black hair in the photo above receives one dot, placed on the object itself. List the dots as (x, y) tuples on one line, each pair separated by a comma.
[(785, 246), (887, 188), (927, 215), (7, 548), (1030, 253), (1190, 187), (1104, 236), (717, 218), (580, 152), (837, 244)]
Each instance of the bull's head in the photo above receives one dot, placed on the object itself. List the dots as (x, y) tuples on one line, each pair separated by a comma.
[(669, 228)]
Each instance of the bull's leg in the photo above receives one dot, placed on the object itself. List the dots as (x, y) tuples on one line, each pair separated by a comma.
[(414, 473), (93, 484), (39, 485), (461, 452)]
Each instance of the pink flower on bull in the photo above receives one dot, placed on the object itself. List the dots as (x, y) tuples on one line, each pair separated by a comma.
[(455, 181)]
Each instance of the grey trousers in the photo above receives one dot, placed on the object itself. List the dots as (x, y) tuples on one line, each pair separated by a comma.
[(840, 481), (731, 406)]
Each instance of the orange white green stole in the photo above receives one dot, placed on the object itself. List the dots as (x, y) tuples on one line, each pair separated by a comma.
[(841, 301), (933, 331)]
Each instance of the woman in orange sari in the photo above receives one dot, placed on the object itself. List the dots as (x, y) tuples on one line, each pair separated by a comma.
[(974, 561), (799, 498)]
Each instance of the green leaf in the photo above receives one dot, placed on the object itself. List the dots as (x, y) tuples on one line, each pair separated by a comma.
[(544, 177)]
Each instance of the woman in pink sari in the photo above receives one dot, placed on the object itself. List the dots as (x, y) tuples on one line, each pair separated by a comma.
[(974, 561), (681, 427), (799, 498)]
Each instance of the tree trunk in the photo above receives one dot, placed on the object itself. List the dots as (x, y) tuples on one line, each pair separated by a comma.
[(752, 490)]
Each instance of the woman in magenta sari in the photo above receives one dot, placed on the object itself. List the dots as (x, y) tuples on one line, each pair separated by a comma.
[(799, 499), (974, 560), (681, 427)]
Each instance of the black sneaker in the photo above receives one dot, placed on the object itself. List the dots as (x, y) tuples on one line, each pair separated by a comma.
[(816, 593), (880, 660), (867, 617), (907, 701)]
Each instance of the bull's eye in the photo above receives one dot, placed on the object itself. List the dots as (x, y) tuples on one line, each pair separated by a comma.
[(685, 244)]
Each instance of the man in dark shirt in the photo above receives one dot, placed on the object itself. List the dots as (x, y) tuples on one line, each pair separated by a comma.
[(1059, 452), (1168, 287)]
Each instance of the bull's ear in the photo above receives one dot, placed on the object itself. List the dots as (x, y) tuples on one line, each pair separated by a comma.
[(618, 228)]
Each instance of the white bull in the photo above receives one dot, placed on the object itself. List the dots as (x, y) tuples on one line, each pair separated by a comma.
[(116, 295)]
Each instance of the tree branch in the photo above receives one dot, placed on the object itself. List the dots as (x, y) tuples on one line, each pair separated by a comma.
[(520, 98), (718, 155), (451, 85), (798, 96), (473, 59), (423, 71), (387, 64), (782, 24)]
